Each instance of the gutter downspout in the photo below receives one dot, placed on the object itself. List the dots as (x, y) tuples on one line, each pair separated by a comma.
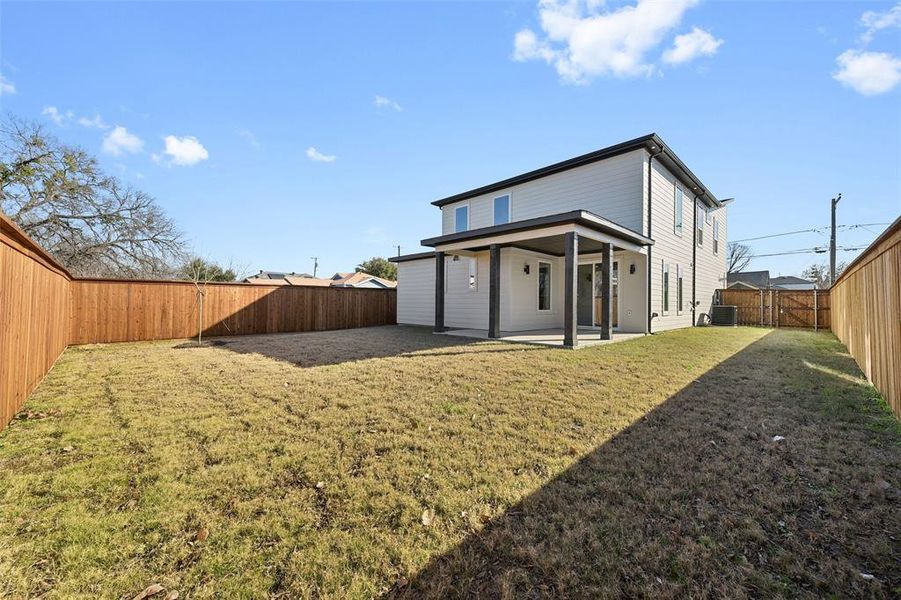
[(650, 262), (694, 260)]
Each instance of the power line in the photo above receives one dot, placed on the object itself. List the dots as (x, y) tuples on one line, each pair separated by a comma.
[(810, 251), (812, 230)]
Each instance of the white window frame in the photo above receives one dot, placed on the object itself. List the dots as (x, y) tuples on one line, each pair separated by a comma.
[(550, 277), (678, 210), (716, 236), (664, 289), (708, 216), (679, 290), (509, 208), (468, 217), (699, 225)]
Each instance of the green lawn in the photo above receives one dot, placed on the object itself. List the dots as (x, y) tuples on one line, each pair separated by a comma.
[(389, 461)]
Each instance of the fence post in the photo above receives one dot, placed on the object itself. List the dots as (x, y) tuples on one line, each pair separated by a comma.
[(778, 309), (816, 318), (771, 308), (761, 307)]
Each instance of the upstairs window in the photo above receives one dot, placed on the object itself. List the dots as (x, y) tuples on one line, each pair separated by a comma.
[(677, 211), (502, 209), (700, 224), (716, 236), (544, 286), (461, 218)]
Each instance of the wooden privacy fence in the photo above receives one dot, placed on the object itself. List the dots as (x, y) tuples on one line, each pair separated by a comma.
[(127, 311), (43, 309), (866, 313), (780, 308)]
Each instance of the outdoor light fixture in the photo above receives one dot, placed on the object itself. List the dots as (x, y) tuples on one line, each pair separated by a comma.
[(632, 269), (525, 269), (456, 258)]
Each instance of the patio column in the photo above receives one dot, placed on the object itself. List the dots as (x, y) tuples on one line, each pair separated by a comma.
[(570, 292), (606, 291), (439, 292), (494, 291)]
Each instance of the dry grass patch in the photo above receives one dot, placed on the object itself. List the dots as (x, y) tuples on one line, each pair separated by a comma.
[(390, 461)]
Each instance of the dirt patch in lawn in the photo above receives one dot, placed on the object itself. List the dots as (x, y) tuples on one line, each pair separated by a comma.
[(394, 462)]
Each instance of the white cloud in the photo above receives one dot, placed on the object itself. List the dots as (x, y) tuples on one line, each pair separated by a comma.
[(56, 116), (95, 122), (183, 151), (383, 102), (689, 46), (869, 73), (874, 21), (7, 88), (314, 154), (119, 141), (249, 137), (582, 40)]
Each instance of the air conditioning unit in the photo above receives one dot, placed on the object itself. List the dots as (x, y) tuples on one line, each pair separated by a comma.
[(723, 314)]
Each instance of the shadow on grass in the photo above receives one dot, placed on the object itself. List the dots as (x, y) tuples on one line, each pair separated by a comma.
[(320, 348), (698, 498)]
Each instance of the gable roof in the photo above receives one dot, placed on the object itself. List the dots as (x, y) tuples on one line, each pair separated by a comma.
[(758, 279), (353, 279), (651, 142), (788, 279)]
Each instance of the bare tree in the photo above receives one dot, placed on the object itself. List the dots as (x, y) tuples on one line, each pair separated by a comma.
[(89, 221), (819, 273), (739, 257)]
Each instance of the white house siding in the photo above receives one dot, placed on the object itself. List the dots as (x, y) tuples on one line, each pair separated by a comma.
[(711, 267), (416, 292), (671, 249), (464, 307), (519, 291), (610, 188)]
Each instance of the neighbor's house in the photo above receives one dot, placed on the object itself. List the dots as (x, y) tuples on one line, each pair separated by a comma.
[(761, 280), (356, 280), (624, 239), (361, 280)]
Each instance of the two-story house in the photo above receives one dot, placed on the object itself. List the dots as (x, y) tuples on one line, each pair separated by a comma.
[(623, 239)]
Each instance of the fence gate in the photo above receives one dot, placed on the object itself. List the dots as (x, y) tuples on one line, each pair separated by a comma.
[(779, 308)]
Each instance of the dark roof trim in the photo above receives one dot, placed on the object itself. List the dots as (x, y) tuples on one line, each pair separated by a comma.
[(651, 142), (580, 217), (409, 257)]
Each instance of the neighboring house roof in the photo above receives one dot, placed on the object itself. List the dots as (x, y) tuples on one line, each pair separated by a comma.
[(740, 285), (361, 279), (754, 279), (307, 280), (651, 142), (790, 281), (273, 275)]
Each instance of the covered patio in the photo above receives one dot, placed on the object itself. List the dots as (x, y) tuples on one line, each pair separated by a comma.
[(569, 236)]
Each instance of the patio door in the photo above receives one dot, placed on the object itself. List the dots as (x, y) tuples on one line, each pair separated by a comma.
[(584, 295), (614, 293)]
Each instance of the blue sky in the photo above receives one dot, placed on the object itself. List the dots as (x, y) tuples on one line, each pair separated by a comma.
[(257, 125)]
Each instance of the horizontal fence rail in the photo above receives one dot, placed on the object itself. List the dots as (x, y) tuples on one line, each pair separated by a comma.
[(866, 313), (780, 308), (43, 309)]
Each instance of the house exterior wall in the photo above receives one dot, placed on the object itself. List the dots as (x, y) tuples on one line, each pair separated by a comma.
[(519, 291), (464, 307), (610, 188), (416, 292), (675, 250)]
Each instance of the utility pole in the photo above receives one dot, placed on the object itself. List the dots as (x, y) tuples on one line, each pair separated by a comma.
[(315, 260), (398, 249), (832, 244)]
